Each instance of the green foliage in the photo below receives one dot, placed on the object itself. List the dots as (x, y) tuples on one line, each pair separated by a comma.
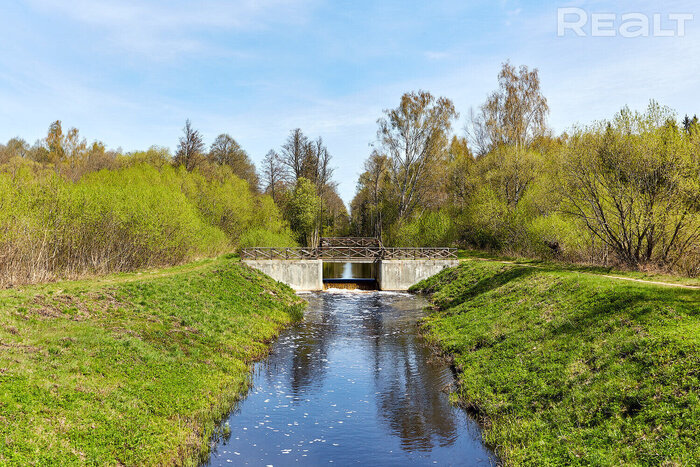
[(623, 192), (132, 370), (633, 182), (304, 209), (430, 229), (572, 369), (266, 238), (119, 220)]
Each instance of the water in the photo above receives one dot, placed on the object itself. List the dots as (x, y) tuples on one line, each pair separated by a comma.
[(352, 384), (349, 270)]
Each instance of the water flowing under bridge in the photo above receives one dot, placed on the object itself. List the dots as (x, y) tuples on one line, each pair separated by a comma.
[(396, 268)]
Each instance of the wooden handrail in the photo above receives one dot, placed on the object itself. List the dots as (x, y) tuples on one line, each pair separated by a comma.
[(362, 253)]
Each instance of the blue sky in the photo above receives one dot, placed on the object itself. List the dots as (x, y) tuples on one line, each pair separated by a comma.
[(129, 73)]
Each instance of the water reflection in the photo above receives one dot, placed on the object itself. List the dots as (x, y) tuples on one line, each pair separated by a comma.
[(353, 383), (349, 271)]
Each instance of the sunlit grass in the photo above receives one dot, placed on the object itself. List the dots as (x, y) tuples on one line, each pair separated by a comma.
[(583, 268), (567, 368), (131, 368)]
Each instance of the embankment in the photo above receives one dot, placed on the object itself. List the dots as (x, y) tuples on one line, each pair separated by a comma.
[(565, 368), (133, 369)]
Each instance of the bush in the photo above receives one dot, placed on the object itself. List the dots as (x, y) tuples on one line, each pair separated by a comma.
[(118, 220), (430, 229)]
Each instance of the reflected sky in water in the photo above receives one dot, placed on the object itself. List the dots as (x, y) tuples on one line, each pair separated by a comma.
[(352, 384), (349, 271)]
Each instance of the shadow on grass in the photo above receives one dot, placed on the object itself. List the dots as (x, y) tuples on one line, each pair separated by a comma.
[(638, 305), (486, 285)]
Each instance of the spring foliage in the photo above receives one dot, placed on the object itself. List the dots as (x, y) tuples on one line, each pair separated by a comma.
[(623, 192), (139, 214)]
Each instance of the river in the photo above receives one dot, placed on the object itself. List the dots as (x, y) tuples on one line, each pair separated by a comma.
[(352, 384)]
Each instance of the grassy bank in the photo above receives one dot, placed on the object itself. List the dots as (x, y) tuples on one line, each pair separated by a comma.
[(565, 367), (132, 369)]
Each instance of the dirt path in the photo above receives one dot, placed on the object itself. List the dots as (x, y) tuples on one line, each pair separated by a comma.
[(621, 278), (669, 284)]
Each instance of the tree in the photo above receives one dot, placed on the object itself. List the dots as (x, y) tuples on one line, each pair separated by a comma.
[(226, 151), (414, 137), (15, 147), (459, 171), (273, 176), (54, 143), (335, 221), (373, 188), (66, 151), (191, 148), (633, 183), (690, 124), (304, 208), (514, 115), (295, 151), (308, 159), (318, 165)]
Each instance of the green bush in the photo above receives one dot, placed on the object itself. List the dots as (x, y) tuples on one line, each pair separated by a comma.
[(136, 216), (430, 229)]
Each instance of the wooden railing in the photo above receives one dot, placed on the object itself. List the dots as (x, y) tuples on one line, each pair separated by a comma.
[(327, 242), (419, 253), (348, 254)]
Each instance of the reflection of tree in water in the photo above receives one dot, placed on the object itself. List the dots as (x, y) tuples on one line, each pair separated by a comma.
[(305, 362), (409, 387)]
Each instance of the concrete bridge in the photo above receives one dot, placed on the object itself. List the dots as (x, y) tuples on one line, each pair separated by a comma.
[(393, 268)]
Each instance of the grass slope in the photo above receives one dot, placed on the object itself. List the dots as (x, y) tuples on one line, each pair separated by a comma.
[(572, 369), (131, 369)]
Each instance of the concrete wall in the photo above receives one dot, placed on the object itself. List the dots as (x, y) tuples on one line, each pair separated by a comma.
[(391, 274), (299, 275), (402, 274)]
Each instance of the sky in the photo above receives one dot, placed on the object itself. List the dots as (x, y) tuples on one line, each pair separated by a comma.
[(130, 73)]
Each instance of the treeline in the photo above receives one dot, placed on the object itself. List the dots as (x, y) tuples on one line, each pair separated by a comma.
[(69, 208), (299, 177), (619, 192)]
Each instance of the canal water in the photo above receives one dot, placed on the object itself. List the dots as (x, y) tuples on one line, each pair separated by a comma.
[(352, 384)]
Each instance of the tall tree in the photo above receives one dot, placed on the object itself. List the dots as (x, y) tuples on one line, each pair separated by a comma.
[(414, 136), (304, 210), (190, 151), (273, 176), (226, 151), (458, 177), (295, 151), (368, 207), (323, 172), (514, 115)]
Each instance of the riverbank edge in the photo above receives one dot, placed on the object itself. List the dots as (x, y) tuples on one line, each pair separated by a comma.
[(59, 341), (490, 311)]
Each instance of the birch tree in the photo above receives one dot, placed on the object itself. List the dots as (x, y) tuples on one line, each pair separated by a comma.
[(414, 136)]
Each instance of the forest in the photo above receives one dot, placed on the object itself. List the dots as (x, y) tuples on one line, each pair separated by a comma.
[(620, 192), (70, 209)]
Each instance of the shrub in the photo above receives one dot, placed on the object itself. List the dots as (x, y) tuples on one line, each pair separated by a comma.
[(136, 216)]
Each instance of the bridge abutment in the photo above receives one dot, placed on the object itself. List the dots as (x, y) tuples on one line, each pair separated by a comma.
[(392, 274), (301, 275), (396, 274)]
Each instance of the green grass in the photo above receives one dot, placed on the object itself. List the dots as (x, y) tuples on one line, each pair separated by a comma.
[(475, 255), (566, 368), (132, 369)]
